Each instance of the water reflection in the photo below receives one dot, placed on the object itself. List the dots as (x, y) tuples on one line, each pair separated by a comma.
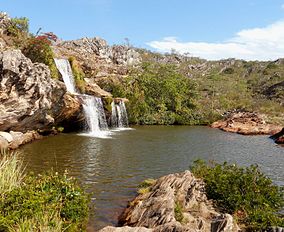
[(112, 168)]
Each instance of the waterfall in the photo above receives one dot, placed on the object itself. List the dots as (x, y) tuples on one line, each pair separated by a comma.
[(119, 117), (94, 113), (92, 106), (65, 70)]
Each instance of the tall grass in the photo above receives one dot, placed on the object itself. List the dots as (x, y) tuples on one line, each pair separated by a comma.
[(11, 171)]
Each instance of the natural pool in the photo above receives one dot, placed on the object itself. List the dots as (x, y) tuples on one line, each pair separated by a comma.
[(112, 168)]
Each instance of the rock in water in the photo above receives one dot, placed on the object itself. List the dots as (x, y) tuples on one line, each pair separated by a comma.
[(278, 137), (29, 98), (176, 202), (247, 123)]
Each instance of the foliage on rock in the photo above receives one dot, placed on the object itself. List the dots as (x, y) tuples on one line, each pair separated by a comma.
[(78, 73), (245, 192), (38, 50)]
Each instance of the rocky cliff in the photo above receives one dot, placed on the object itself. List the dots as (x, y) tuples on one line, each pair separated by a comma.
[(97, 58), (176, 202), (29, 98)]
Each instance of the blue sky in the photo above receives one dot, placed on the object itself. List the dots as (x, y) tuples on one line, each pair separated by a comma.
[(206, 28)]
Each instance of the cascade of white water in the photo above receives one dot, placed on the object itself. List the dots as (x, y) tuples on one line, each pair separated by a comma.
[(65, 69), (91, 113), (114, 120), (123, 114), (119, 117), (92, 106)]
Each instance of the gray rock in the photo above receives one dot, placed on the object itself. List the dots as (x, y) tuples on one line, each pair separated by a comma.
[(3, 143), (6, 136), (29, 98), (156, 209)]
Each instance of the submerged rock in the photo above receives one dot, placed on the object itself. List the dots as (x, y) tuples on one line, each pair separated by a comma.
[(247, 123), (176, 202)]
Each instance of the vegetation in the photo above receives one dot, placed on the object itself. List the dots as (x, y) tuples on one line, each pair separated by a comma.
[(38, 50), (47, 202), (178, 212), (157, 95), (175, 89), (244, 192), (145, 186), (78, 73), (18, 31)]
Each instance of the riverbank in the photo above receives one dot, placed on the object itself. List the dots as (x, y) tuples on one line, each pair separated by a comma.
[(112, 168)]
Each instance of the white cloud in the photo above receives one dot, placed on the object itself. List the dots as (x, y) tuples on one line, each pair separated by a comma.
[(282, 6), (265, 43)]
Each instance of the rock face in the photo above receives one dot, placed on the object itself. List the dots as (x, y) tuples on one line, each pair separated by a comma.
[(247, 123), (5, 21), (97, 58), (176, 202), (29, 98)]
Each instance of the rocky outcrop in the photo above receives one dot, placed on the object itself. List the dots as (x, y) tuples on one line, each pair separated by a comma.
[(29, 98), (247, 123), (5, 21), (176, 202), (97, 58), (13, 140), (92, 88), (278, 137)]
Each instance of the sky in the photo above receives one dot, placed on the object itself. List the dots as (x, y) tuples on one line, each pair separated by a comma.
[(211, 29)]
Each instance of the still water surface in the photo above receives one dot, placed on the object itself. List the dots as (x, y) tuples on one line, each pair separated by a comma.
[(112, 168)]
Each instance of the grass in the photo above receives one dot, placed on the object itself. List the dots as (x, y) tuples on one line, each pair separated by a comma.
[(11, 172), (48, 202)]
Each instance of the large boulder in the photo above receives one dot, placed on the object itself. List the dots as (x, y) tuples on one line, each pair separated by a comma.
[(29, 98), (176, 202)]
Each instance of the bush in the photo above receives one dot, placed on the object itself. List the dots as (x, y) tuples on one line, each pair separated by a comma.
[(18, 26), (244, 192), (47, 202), (38, 50)]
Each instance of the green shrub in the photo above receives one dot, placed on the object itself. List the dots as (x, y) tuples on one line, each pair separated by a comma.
[(179, 212), (145, 186), (38, 50), (244, 192), (18, 27), (47, 202)]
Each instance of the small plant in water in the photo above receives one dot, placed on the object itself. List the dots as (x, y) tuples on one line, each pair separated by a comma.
[(145, 186)]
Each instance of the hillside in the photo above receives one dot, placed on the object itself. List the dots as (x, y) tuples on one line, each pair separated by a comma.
[(161, 88)]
